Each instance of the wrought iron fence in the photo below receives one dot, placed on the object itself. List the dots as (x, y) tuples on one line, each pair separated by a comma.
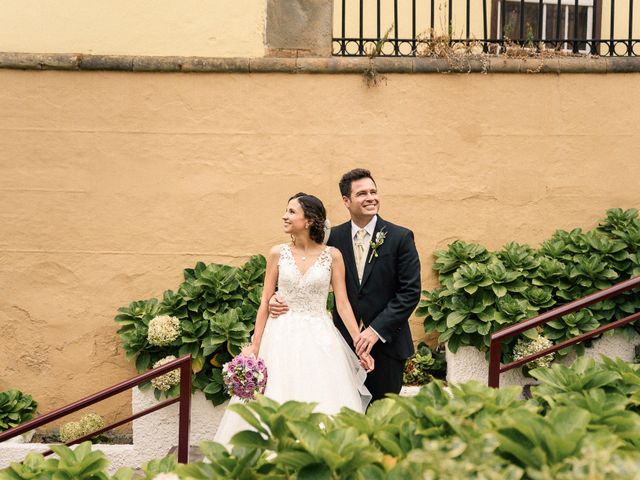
[(414, 27)]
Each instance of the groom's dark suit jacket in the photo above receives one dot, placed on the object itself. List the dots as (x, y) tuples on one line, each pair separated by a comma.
[(390, 288)]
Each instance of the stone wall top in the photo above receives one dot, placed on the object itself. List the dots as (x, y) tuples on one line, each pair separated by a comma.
[(340, 65)]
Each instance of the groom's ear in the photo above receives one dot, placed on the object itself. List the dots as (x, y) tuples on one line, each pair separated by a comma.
[(346, 200)]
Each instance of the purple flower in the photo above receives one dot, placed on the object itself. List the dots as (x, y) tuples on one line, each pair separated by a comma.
[(244, 376)]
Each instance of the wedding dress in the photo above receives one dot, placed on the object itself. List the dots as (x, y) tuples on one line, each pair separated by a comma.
[(307, 358)]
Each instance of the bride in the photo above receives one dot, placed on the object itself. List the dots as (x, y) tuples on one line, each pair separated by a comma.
[(307, 358)]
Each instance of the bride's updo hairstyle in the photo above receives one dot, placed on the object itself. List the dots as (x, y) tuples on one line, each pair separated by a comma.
[(315, 212)]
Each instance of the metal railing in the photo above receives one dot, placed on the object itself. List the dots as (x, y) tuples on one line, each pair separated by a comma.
[(183, 363), (500, 336), (408, 27)]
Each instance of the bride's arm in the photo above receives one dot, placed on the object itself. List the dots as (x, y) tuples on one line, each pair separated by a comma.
[(268, 289), (338, 284), (343, 305)]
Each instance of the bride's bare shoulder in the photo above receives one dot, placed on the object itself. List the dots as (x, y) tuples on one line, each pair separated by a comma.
[(274, 252), (336, 255)]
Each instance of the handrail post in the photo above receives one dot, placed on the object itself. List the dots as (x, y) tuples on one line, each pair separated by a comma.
[(185, 411), (494, 363)]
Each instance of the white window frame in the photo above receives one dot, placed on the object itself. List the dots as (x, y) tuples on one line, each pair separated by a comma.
[(567, 4)]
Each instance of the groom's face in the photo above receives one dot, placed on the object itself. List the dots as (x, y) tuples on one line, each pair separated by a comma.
[(363, 200)]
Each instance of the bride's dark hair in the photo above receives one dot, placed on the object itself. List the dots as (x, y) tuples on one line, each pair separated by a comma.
[(315, 212)]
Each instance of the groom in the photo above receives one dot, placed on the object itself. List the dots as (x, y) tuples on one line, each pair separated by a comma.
[(382, 278)]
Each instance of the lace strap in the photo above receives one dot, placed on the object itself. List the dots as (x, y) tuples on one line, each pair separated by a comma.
[(285, 254)]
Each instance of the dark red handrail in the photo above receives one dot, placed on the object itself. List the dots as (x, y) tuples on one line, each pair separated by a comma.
[(498, 337), (183, 363)]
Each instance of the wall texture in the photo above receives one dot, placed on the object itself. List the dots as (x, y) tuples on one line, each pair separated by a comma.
[(112, 183), (215, 28)]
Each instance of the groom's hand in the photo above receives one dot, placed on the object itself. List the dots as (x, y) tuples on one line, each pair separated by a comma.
[(366, 341), (277, 306)]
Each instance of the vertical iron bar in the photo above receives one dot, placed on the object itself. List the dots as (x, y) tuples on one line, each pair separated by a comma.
[(540, 10), (185, 412), (558, 13), (484, 24), (494, 363), (378, 23), (395, 24), (575, 27), (413, 25), (344, 14), (630, 46), (468, 20), (361, 30), (611, 27), (594, 25), (521, 22)]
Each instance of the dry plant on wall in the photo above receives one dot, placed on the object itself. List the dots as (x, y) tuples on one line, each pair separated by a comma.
[(371, 75)]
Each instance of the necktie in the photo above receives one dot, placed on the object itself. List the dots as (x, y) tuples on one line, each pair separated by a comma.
[(360, 252)]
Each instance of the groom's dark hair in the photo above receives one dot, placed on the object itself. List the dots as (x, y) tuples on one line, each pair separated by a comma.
[(350, 177)]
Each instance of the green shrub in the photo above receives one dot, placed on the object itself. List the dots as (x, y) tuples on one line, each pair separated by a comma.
[(424, 365), (482, 291), (215, 306), (582, 422), (15, 408)]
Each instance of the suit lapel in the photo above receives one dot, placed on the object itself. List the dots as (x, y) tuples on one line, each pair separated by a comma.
[(369, 265)]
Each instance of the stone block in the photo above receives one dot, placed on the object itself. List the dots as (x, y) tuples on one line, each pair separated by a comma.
[(299, 28)]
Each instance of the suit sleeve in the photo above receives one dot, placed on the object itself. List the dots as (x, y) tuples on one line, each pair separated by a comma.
[(407, 295)]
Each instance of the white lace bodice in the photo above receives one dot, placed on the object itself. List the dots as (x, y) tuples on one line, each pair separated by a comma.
[(305, 293)]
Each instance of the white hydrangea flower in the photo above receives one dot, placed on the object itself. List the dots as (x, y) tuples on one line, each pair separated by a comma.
[(91, 422), (163, 330), (166, 476), (168, 380), (70, 431), (526, 347)]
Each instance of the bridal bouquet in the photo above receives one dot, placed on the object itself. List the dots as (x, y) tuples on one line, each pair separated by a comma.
[(244, 376)]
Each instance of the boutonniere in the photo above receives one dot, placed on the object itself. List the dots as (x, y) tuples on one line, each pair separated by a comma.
[(377, 243)]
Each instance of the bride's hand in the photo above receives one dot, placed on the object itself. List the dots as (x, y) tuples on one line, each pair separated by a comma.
[(249, 351), (367, 362)]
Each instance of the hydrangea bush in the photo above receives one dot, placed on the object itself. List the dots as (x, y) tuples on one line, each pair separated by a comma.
[(15, 408), (87, 424), (169, 380), (482, 292), (211, 315)]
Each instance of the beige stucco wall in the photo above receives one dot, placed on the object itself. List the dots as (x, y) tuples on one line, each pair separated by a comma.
[(112, 183), (215, 28)]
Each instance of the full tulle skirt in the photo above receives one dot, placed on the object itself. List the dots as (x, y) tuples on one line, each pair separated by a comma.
[(307, 360)]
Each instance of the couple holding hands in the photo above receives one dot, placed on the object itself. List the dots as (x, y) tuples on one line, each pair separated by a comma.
[(373, 268)]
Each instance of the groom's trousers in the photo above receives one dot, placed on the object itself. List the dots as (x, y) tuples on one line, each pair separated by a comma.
[(386, 376)]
